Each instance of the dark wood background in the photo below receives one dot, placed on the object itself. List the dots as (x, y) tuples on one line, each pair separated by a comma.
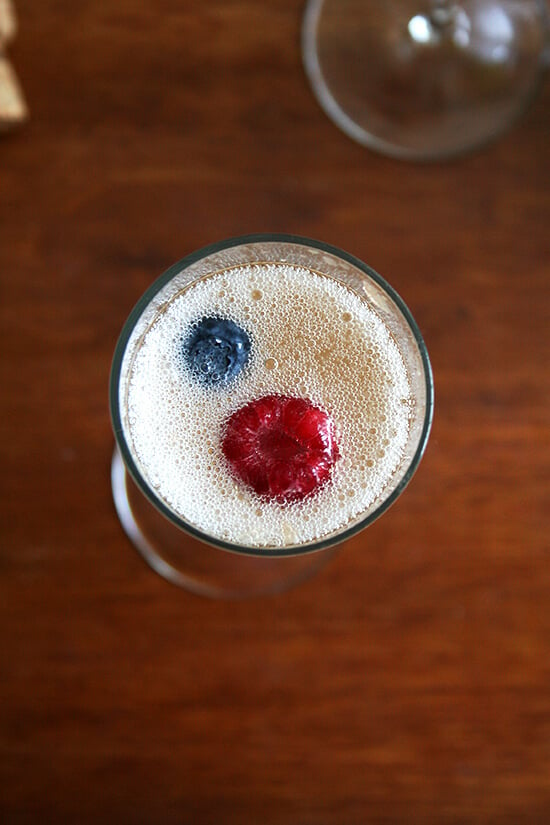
[(409, 682)]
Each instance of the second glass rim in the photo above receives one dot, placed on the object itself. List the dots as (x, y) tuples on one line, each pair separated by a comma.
[(116, 419)]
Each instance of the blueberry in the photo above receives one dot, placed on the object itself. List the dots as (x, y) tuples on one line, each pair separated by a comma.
[(216, 350)]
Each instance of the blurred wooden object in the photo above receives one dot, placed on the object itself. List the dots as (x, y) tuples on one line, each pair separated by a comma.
[(8, 21), (13, 109)]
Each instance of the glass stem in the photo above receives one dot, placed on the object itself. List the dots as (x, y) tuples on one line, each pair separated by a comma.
[(441, 14)]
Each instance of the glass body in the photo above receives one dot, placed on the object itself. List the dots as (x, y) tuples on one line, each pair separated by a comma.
[(179, 550), (425, 79)]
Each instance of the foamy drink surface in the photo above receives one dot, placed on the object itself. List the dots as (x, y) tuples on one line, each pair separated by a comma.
[(309, 337)]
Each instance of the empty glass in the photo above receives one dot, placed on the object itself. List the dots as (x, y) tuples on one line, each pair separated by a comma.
[(425, 79)]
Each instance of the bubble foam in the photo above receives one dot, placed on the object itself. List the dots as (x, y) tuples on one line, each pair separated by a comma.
[(311, 337)]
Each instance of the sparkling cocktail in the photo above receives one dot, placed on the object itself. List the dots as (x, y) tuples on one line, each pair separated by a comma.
[(271, 396)]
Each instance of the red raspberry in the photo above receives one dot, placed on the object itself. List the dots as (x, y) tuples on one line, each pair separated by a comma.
[(282, 447)]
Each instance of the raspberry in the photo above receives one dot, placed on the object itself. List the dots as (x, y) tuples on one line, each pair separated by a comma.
[(216, 350), (282, 447)]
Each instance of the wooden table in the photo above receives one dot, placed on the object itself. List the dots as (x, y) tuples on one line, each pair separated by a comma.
[(409, 682)]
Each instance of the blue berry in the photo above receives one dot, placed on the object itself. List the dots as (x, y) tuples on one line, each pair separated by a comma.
[(216, 350)]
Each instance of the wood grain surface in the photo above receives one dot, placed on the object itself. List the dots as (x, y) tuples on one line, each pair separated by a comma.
[(409, 682)]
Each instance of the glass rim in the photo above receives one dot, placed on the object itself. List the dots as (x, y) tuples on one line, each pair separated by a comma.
[(124, 448)]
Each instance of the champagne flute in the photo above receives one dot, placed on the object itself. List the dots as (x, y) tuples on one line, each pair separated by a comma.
[(194, 519)]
